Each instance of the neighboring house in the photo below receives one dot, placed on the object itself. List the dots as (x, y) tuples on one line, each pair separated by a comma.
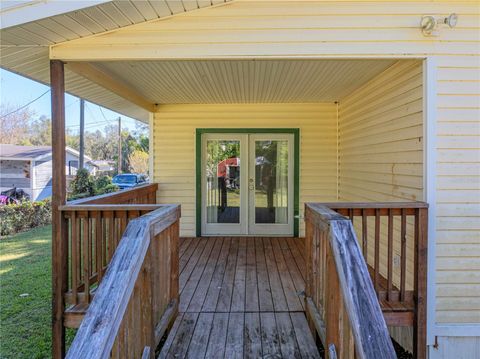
[(102, 167), (366, 103), (30, 168)]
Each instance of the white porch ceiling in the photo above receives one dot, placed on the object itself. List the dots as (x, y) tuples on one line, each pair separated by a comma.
[(24, 47), (245, 81)]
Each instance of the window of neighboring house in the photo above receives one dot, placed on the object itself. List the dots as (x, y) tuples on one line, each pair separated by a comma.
[(72, 167)]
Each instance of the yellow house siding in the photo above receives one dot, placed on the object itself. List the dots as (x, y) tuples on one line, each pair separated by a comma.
[(174, 147), (294, 29), (458, 190), (380, 150), (341, 30)]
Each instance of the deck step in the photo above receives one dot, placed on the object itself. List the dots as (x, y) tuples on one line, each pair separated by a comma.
[(239, 335), (74, 315)]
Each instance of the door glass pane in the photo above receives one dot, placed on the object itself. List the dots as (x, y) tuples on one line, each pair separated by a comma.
[(223, 181), (271, 181)]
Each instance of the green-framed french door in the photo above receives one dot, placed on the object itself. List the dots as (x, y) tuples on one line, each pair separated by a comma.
[(246, 182)]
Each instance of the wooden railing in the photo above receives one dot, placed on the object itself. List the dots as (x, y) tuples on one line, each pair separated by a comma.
[(393, 238), (137, 299), (342, 306), (145, 194), (393, 250), (94, 228)]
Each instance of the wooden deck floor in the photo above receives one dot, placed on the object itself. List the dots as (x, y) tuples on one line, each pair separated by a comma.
[(241, 298)]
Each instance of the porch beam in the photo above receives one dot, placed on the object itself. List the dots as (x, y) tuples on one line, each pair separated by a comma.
[(59, 227), (107, 81)]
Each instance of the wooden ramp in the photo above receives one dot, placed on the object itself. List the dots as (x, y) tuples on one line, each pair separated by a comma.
[(241, 297)]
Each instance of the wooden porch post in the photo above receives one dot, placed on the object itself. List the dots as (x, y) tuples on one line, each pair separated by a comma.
[(59, 227)]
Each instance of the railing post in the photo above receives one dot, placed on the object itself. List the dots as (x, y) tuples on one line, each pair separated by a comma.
[(59, 226), (308, 269), (174, 264), (333, 305), (420, 290)]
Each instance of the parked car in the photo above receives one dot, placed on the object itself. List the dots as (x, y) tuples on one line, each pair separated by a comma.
[(129, 180)]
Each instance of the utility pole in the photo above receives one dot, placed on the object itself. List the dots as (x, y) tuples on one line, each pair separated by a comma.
[(119, 145), (82, 134)]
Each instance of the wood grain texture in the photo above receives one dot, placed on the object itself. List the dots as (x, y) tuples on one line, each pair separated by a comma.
[(349, 283), (112, 320), (59, 227)]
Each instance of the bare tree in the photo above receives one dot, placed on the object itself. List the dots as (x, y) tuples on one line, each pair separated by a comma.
[(15, 125)]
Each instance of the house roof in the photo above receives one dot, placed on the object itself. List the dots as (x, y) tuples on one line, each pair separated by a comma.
[(103, 165), (8, 151), (28, 28)]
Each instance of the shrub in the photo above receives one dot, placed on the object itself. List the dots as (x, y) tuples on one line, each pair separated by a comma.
[(25, 215), (103, 184), (82, 185)]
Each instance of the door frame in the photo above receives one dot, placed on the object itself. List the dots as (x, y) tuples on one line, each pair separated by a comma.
[(198, 168)]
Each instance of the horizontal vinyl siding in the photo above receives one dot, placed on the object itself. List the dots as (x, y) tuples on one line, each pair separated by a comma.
[(458, 196), (174, 147), (372, 29), (380, 150)]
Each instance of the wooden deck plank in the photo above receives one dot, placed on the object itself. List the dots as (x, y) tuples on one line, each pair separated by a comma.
[(286, 335), (198, 298), (184, 244), (184, 333), (225, 297), (305, 341), (240, 300), (252, 336), (251, 287), (213, 292), (278, 294), (264, 293), (297, 255), (188, 253), (291, 296), (218, 336), (200, 337), (269, 334), (238, 297), (234, 344), (171, 336), (196, 274), (295, 273), (192, 262)]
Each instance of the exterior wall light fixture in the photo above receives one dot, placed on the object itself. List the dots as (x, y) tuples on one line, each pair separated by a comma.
[(429, 23)]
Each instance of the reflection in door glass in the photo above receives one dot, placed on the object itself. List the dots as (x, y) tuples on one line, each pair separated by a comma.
[(271, 181), (223, 181)]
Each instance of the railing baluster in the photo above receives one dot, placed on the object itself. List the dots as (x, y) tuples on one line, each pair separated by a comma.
[(86, 259), (74, 255), (365, 235), (403, 255), (377, 251), (390, 255), (98, 244)]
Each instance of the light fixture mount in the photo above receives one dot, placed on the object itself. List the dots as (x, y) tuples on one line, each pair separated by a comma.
[(429, 23)]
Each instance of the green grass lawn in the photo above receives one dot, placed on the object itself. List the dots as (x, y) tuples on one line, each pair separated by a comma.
[(25, 294)]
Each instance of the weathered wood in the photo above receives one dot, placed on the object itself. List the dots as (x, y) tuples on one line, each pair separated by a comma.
[(317, 320), (253, 339), (115, 314), (166, 320), (135, 195), (399, 304), (390, 256), (59, 227), (348, 284), (421, 247)]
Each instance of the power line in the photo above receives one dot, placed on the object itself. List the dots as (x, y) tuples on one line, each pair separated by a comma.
[(27, 104)]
